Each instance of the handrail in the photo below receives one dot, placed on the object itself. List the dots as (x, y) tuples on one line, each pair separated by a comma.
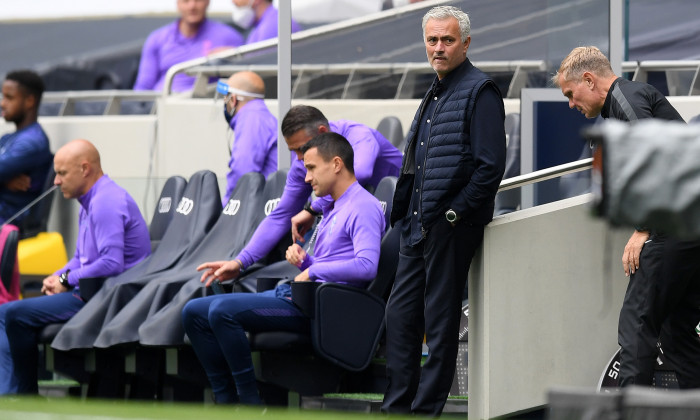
[(114, 98), (545, 174)]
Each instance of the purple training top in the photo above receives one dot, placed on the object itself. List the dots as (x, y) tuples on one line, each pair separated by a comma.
[(375, 158), (112, 234), (255, 144), (349, 238), (166, 47), (266, 27)]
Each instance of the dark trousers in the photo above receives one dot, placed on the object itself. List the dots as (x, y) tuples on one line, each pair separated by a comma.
[(216, 326), (20, 322), (662, 303), (426, 299)]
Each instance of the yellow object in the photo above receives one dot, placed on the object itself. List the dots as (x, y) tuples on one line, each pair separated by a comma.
[(42, 254)]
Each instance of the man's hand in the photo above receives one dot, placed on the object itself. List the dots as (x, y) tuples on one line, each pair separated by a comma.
[(219, 270), (630, 256), (51, 286), (295, 255), (19, 183), (301, 223), (303, 276)]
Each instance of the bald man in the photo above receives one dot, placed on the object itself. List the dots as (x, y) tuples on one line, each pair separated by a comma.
[(254, 128), (112, 237)]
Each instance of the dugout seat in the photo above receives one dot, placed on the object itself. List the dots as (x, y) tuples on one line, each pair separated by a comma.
[(9, 271), (391, 129), (37, 217), (170, 197), (509, 200), (227, 237)]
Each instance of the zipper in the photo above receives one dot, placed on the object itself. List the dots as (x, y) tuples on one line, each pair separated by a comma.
[(425, 159)]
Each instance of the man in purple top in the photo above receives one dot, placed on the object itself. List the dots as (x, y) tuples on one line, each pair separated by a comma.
[(347, 251), (375, 159), (192, 36), (260, 16), (112, 237), (254, 127)]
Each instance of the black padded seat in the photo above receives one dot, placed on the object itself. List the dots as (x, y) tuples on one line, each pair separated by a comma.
[(390, 127), (170, 196), (200, 207), (163, 326), (230, 234), (8, 257)]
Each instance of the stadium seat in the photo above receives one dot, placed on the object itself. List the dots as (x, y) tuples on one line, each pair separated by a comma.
[(199, 209), (509, 200), (9, 271), (169, 198), (567, 403), (37, 217), (391, 129), (228, 236)]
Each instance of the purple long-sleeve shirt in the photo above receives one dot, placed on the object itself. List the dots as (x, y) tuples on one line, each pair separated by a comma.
[(255, 145), (348, 239), (266, 27), (112, 234), (375, 158), (166, 47)]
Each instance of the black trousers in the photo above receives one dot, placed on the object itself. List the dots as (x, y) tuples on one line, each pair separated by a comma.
[(662, 303), (426, 299)]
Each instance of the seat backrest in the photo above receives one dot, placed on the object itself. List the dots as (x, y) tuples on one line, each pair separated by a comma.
[(390, 127), (509, 200), (169, 198), (695, 120), (9, 271), (272, 193), (194, 215), (235, 225), (37, 217), (389, 251)]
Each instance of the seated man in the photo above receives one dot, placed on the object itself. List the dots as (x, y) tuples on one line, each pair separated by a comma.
[(112, 237), (254, 127), (260, 16), (347, 251), (192, 36), (25, 157), (375, 159)]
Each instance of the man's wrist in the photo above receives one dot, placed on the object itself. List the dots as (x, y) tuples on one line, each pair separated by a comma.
[(308, 208), (452, 216), (63, 280), (240, 264)]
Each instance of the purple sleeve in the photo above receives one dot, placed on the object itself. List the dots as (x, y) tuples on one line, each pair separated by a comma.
[(366, 149), (148, 66), (106, 220), (365, 228), (278, 223)]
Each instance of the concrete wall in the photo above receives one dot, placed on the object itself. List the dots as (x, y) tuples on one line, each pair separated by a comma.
[(544, 298)]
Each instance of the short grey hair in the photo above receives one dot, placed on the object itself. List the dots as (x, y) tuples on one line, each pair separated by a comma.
[(581, 60), (446, 12)]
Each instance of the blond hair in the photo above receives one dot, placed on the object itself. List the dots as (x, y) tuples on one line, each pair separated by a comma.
[(581, 60)]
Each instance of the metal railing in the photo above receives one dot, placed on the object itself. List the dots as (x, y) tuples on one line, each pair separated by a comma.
[(545, 174), (111, 100)]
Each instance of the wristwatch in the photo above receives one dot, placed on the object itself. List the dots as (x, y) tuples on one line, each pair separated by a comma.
[(451, 216), (63, 279), (308, 208)]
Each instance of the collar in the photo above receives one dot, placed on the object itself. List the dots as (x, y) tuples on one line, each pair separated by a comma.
[(179, 37), (451, 79), (605, 112), (86, 198)]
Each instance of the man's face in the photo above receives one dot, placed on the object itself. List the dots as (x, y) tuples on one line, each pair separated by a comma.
[(319, 173), (444, 46), (192, 12), (581, 96), (300, 138), (15, 102), (69, 176)]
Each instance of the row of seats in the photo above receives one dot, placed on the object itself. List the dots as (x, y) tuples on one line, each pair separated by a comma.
[(141, 307)]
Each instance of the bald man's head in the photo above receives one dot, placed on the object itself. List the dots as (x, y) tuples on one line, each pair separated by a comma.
[(247, 81), (78, 167)]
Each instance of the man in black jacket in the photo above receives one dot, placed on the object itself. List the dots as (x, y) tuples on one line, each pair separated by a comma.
[(452, 166), (662, 301)]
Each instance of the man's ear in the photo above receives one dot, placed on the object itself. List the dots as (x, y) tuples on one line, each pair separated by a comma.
[(322, 129), (589, 79), (337, 164)]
